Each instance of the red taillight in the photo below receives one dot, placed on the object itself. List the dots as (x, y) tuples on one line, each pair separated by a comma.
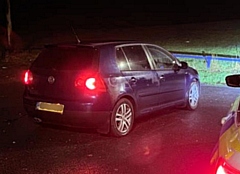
[(90, 82), (28, 77)]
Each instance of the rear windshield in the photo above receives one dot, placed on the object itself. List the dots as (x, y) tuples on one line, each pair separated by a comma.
[(67, 58)]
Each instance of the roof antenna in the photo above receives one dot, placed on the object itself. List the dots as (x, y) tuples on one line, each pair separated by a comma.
[(75, 34)]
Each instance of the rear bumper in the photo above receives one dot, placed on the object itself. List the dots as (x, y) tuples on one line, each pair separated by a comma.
[(84, 117)]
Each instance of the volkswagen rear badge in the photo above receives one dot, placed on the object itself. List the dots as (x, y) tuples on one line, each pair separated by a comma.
[(51, 79)]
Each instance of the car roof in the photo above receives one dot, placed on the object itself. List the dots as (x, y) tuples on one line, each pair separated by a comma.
[(107, 42), (95, 43)]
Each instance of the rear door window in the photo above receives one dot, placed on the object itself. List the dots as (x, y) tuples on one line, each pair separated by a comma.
[(67, 58), (122, 61), (132, 58)]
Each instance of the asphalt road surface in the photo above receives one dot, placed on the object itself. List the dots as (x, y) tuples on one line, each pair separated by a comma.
[(171, 141)]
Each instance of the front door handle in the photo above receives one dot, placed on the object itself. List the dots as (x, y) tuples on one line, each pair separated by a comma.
[(161, 77), (133, 80)]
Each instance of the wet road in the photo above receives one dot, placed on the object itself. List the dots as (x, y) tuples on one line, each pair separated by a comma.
[(167, 142)]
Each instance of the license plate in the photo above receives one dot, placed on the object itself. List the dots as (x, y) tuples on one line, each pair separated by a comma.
[(50, 107)]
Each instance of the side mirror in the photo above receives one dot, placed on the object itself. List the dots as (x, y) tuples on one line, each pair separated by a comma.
[(184, 65), (233, 80)]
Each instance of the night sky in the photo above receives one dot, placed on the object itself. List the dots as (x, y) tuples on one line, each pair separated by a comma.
[(158, 12)]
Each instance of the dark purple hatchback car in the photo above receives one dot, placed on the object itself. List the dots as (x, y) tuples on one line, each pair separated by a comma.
[(106, 85)]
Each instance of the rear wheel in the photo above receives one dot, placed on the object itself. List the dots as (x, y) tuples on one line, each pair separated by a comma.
[(193, 96), (122, 118)]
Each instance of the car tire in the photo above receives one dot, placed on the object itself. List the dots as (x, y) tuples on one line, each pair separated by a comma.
[(122, 118), (192, 96)]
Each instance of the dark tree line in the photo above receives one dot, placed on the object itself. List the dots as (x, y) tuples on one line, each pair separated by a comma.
[(5, 34)]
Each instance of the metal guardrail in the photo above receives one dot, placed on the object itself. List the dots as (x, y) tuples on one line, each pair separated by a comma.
[(207, 57), (204, 54)]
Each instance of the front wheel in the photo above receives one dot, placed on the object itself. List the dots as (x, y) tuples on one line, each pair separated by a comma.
[(122, 118), (193, 95)]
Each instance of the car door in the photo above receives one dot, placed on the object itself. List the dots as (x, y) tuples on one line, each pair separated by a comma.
[(172, 81), (135, 67)]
